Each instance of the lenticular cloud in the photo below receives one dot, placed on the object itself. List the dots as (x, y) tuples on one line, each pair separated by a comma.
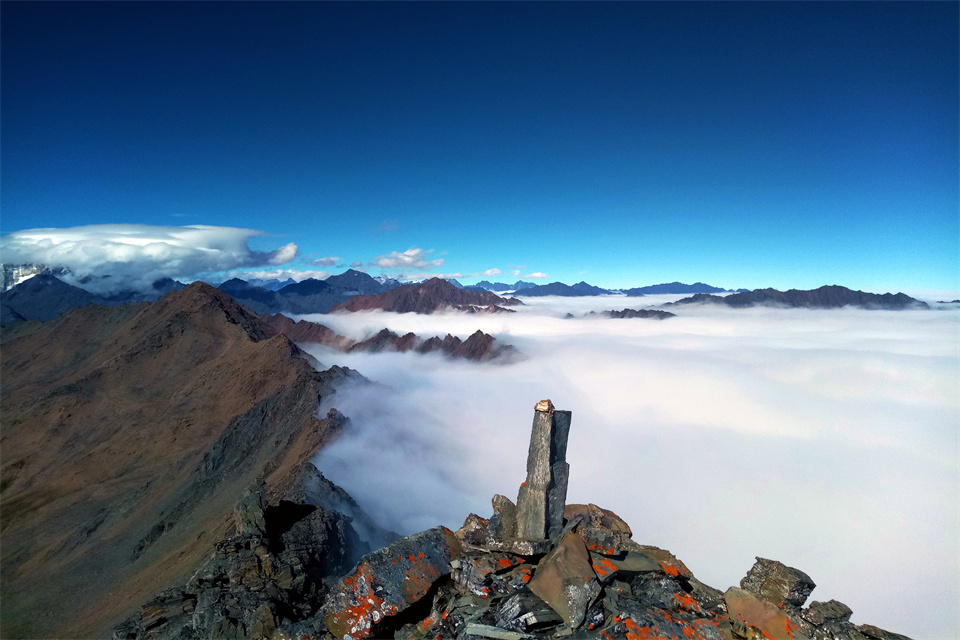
[(136, 255)]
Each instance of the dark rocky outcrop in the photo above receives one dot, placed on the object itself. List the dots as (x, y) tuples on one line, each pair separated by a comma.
[(639, 313), (479, 346), (428, 297), (126, 446), (826, 297), (269, 572)]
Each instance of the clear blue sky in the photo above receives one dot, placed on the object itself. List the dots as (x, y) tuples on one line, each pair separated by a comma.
[(744, 145)]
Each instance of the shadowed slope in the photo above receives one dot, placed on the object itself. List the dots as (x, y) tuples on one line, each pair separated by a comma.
[(126, 447)]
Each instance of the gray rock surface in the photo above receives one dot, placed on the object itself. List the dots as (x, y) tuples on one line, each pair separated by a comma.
[(777, 583), (542, 496)]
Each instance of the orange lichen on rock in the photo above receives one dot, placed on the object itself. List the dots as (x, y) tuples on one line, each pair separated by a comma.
[(687, 602), (382, 587)]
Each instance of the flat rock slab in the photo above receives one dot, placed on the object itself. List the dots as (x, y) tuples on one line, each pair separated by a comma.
[(487, 631), (565, 580), (746, 606), (388, 581), (607, 567)]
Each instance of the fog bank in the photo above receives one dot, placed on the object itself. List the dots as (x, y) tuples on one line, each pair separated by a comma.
[(827, 440)]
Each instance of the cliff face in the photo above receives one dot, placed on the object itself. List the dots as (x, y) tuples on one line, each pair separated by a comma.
[(128, 433)]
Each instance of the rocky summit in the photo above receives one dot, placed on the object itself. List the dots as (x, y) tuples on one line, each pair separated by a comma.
[(512, 576), (537, 568)]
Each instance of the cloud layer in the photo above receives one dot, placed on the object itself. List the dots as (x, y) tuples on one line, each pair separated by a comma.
[(136, 255), (825, 439)]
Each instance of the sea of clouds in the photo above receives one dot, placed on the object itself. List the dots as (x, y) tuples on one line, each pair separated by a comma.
[(826, 439)]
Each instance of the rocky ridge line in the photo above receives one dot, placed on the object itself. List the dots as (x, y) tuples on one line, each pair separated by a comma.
[(479, 346)]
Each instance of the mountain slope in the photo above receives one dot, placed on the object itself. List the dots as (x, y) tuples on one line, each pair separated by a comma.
[(427, 297), (44, 297), (826, 297), (126, 447)]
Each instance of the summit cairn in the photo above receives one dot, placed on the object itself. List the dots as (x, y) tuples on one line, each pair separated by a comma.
[(544, 493), (541, 569)]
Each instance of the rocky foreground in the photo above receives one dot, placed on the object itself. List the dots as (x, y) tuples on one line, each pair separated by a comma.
[(534, 569)]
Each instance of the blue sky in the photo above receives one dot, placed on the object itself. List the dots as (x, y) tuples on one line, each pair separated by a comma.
[(740, 144)]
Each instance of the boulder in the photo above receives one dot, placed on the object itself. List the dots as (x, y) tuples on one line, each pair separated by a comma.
[(565, 580), (777, 583), (819, 613), (388, 581)]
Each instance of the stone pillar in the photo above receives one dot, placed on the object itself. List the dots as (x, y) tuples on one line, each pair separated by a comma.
[(543, 496)]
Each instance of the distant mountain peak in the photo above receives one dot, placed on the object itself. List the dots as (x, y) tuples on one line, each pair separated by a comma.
[(427, 297)]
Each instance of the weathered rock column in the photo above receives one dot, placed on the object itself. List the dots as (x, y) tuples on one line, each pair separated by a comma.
[(543, 496)]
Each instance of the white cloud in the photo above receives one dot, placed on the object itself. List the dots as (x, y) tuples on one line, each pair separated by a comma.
[(489, 273), (279, 274), (516, 272), (823, 439), (412, 258), (532, 276), (356, 264), (135, 255), (325, 262)]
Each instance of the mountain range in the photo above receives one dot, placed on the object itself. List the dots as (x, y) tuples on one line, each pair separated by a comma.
[(826, 297), (428, 297), (41, 295)]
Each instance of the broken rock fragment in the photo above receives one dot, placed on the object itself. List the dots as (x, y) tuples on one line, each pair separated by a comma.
[(565, 580), (777, 583), (819, 613), (388, 581)]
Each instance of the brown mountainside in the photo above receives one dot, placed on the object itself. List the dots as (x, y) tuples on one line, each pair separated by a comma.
[(433, 295), (128, 434)]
